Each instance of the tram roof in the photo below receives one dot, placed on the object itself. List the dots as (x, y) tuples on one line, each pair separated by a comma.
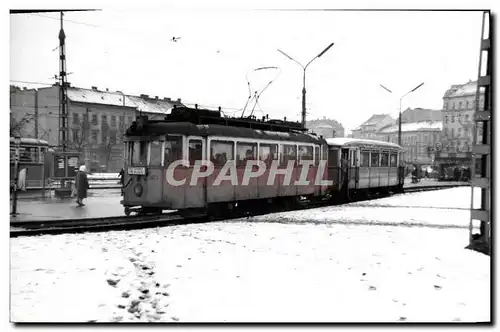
[(187, 128), (362, 143), (30, 141)]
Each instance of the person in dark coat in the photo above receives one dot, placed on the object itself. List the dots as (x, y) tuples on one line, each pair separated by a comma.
[(82, 184), (456, 174)]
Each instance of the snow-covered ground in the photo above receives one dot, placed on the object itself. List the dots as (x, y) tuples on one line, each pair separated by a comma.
[(316, 267)]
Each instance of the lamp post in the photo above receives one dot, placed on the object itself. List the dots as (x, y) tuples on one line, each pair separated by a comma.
[(17, 142), (400, 103), (304, 79)]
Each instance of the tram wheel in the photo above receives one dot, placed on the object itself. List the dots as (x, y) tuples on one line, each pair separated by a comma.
[(127, 211)]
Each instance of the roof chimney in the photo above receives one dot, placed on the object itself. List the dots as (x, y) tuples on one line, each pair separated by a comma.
[(178, 100), (94, 88), (144, 96), (167, 99), (107, 90), (156, 97)]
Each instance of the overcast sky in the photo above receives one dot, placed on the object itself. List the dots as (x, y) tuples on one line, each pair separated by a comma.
[(132, 51)]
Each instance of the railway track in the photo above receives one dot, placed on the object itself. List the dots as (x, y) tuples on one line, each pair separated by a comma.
[(53, 227)]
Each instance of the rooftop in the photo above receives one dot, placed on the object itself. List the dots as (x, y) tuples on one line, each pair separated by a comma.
[(343, 141), (413, 126), (143, 103), (459, 90), (373, 120)]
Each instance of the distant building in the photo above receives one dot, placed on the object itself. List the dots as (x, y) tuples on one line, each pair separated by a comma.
[(459, 105), (370, 127), (328, 128), (96, 119), (417, 138), (421, 114)]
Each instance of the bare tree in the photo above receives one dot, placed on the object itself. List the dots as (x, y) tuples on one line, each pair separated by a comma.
[(16, 126)]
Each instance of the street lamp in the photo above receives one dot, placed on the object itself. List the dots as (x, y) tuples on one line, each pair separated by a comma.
[(400, 102), (17, 143), (304, 79)]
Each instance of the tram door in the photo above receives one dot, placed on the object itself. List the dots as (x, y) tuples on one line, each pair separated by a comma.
[(344, 169)]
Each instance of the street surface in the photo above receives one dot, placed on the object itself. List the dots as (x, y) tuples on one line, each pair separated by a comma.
[(376, 261), (100, 203)]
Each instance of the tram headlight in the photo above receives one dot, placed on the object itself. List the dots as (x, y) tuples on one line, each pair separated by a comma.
[(138, 190)]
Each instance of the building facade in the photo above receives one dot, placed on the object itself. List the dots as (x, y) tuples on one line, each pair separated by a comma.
[(421, 114), (418, 139), (328, 128), (97, 120), (459, 104), (369, 128)]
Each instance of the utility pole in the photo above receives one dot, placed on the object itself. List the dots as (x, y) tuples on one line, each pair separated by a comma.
[(63, 101), (304, 79), (36, 114)]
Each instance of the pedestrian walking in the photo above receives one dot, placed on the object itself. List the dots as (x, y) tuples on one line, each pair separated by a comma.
[(120, 175), (82, 184)]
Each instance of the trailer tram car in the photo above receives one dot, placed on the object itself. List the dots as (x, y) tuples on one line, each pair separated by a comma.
[(193, 134), (364, 167)]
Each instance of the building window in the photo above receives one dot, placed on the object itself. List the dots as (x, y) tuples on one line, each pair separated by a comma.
[(446, 119), (76, 119), (112, 137), (459, 105), (445, 106), (452, 132), (104, 118), (75, 135), (113, 121), (467, 104), (130, 119), (94, 119), (452, 118), (94, 135), (453, 106), (122, 121), (445, 131), (466, 117)]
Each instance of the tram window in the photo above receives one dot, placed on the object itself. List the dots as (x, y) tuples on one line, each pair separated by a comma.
[(245, 152), (394, 159), (354, 158), (325, 152), (375, 159), (288, 152), (384, 161), (365, 159), (268, 153), (138, 153), (155, 153), (42, 155), (28, 154), (221, 152), (195, 151), (305, 152), (316, 155), (173, 149)]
